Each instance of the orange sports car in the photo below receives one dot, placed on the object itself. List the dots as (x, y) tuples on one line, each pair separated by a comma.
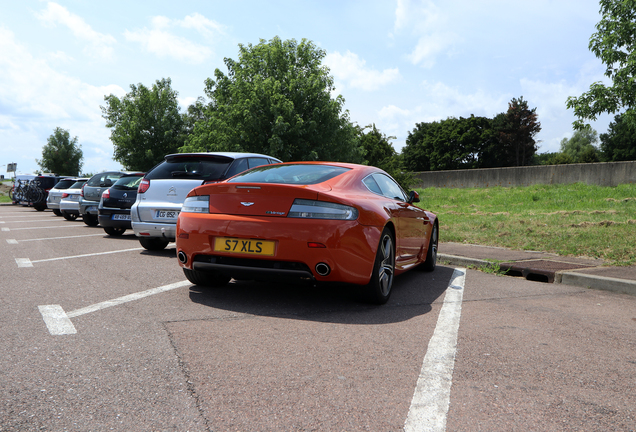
[(313, 221)]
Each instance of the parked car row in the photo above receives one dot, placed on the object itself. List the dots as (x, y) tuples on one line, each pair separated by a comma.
[(123, 200), (250, 216)]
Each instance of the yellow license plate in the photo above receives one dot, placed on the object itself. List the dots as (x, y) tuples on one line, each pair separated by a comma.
[(244, 246)]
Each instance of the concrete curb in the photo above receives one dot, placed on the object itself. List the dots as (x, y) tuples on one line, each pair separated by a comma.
[(603, 283), (463, 261)]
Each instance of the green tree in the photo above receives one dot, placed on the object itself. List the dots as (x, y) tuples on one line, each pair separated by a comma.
[(61, 154), (613, 43), (619, 143), (145, 124), (379, 152), (516, 129), (276, 99), (581, 147), (454, 143)]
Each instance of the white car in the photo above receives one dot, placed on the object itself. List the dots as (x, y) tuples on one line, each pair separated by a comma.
[(55, 195), (164, 188), (69, 204)]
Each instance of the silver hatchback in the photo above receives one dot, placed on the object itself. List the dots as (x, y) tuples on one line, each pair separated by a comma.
[(55, 195), (164, 188)]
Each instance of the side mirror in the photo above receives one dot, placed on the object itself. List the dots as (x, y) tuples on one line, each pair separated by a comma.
[(414, 197)]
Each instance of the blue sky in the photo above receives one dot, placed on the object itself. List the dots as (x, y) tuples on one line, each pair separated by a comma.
[(396, 62)]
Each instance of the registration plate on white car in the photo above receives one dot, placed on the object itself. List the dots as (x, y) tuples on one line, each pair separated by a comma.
[(166, 214)]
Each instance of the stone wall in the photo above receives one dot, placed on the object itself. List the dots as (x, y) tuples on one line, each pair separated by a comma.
[(602, 174)]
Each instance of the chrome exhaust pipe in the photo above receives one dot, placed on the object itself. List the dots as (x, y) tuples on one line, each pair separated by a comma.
[(182, 257), (323, 269)]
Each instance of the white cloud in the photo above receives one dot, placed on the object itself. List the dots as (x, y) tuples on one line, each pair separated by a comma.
[(426, 22), (429, 47), (206, 27), (100, 45), (350, 70), (163, 42), (550, 100), (35, 99)]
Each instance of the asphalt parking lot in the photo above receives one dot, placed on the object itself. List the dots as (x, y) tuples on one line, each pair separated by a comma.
[(100, 334)]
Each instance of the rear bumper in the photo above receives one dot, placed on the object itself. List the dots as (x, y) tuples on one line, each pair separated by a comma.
[(105, 218), (153, 229), (348, 252), (86, 207), (69, 207), (256, 272)]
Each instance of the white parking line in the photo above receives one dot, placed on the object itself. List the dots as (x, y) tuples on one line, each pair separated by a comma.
[(26, 262), (27, 221), (46, 227), (126, 298), (21, 215), (23, 262), (58, 322), (431, 400), (13, 241)]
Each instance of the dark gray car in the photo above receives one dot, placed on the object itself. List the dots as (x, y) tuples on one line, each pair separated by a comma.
[(92, 193)]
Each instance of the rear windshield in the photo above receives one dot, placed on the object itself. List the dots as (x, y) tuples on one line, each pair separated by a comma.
[(299, 174), (105, 179), (78, 184), (128, 182), (44, 182), (197, 168), (64, 184)]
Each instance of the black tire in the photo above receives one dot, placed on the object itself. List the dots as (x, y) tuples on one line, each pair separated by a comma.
[(205, 278), (153, 243), (378, 290), (39, 207), (69, 216), (90, 220), (114, 231), (57, 212), (431, 255)]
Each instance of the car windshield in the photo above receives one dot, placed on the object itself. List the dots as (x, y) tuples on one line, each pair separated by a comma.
[(64, 184), (128, 182), (203, 168), (299, 174), (78, 184), (104, 179)]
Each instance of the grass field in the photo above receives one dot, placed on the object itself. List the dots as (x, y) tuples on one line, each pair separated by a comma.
[(572, 220), (5, 186)]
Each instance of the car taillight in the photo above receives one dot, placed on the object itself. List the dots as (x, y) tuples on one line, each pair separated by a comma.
[(143, 186), (82, 191), (106, 194)]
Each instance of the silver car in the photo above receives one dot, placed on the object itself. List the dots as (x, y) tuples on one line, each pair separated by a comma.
[(55, 194), (164, 188), (69, 203)]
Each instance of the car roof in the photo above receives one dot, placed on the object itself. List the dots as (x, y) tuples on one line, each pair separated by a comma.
[(232, 155)]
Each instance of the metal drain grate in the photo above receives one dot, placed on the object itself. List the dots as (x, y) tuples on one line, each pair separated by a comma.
[(538, 270)]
